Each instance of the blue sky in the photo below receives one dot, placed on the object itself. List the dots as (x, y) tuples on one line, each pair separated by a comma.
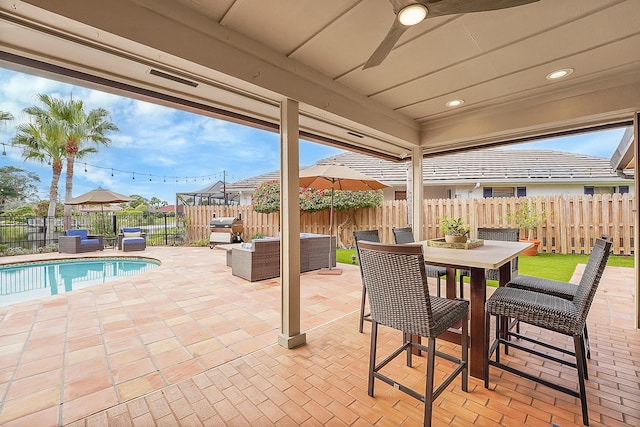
[(166, 143)]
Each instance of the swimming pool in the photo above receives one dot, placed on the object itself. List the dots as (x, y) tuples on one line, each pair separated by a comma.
[(26, 281)]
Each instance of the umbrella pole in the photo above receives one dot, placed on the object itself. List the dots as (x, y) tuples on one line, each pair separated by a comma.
[(331, 270)]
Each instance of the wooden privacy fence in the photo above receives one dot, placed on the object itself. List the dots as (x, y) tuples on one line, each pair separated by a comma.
[(571, 225)]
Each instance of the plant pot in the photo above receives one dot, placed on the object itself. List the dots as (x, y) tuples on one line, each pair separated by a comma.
[(455, 239), (532, 251)]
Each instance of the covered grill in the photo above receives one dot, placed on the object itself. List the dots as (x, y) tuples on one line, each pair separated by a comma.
[(225, 229)]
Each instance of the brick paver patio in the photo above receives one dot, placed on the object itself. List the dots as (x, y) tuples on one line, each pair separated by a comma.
[(190, 344)]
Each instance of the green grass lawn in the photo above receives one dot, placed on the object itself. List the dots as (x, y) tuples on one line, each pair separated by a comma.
[(550, 266)]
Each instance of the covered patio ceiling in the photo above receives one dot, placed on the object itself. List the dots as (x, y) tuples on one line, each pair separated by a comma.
[(240, 59), (298, 65)]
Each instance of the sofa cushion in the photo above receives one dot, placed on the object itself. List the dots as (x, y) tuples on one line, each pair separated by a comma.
[(81, 232), (89, 241), (131, 230), (133, 240), (128, 234)]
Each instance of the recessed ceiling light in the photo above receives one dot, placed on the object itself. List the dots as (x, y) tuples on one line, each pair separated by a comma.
[(412, 14), (455, 103), (558, 74)]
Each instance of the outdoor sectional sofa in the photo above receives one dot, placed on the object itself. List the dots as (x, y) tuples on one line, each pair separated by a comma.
[(260, 260), (79, 241)]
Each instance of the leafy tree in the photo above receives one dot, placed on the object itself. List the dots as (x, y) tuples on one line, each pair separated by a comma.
[(266, 199), (42, 208), (157, 203), (80, 128), (139, 203), (17, 185), (21, 211)]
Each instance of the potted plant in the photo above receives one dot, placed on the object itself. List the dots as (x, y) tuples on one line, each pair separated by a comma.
[(528, 217), (454, 229)]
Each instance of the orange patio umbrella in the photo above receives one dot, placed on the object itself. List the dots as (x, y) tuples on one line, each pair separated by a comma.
[(336, 177)]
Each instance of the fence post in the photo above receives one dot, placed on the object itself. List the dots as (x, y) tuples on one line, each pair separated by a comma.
[(44, 229), (166, 237)]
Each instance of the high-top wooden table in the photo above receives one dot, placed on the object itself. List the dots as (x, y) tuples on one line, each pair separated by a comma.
[(493, 254)]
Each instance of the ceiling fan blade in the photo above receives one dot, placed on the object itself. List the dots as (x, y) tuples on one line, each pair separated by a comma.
[(396, 30), (435, 8), (454, 7)]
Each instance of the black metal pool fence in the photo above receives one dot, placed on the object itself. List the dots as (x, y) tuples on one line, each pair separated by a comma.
[(31, 232)]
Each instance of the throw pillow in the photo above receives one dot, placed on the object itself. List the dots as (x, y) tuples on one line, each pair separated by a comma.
[(131, 234)]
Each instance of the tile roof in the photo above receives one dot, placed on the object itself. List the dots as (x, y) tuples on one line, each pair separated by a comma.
[(487, 165)]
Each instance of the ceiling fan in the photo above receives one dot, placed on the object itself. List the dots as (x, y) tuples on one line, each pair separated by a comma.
[(412, 12)]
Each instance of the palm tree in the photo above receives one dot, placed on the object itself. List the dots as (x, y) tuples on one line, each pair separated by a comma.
[(5, 116), (43, 141), (79, 128)]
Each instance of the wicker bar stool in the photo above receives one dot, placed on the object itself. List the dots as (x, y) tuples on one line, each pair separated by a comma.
[(405, 235), (369, 236), (399, 298), (502, 234), (551, 287), (567, 317)]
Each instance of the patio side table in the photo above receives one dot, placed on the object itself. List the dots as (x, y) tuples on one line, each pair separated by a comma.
[(229, 249), (110, 242)]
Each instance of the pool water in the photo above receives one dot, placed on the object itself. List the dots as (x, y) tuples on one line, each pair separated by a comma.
[(26, 281)]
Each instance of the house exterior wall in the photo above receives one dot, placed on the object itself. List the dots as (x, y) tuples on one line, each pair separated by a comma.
[(549, 189), (476, 189)]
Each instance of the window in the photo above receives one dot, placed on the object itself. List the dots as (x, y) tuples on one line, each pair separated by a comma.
[(401, 195), (590, 189), (623, 189), (499, 191), (521, 192)]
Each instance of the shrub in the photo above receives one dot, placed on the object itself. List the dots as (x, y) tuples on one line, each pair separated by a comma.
[(200, 242), (53, 247), (266, 199), (257, 236)]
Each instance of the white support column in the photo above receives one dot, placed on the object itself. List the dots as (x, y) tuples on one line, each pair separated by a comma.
[(417, 190), (636, 217), (290, 335)]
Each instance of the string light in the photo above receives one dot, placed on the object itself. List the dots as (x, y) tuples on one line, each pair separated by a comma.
[(177, 178)]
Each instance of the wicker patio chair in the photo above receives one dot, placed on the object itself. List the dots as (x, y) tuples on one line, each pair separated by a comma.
[(502, 234), (399, 298), (551, 313), (132, 239), (405, 235), (369, 236), (551, 287), (79, 241)]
